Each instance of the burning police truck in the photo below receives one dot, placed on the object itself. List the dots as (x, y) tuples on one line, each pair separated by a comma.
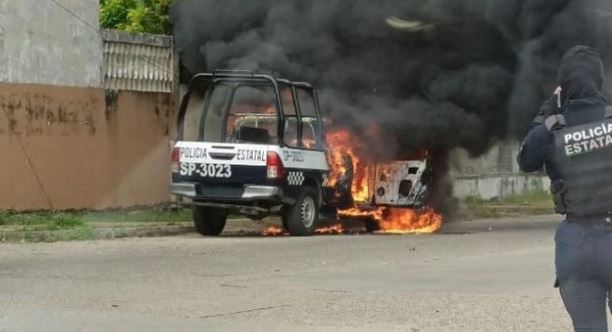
[(254, 145)]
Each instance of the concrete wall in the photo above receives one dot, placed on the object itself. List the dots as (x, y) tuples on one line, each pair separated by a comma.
[(500, 159), (494, 174), (499, 186), (43, 43), (72, 148)]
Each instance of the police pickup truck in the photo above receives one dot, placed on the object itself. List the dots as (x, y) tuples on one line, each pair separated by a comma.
[(253, 145)]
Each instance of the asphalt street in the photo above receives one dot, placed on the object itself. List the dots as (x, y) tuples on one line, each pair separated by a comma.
[(487, 275)]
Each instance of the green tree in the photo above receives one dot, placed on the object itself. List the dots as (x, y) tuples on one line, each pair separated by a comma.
[(150, 16)]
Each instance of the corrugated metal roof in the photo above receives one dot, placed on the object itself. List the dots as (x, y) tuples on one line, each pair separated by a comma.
[(139, 62)]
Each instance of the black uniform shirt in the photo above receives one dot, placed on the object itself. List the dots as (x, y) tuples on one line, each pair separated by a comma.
[(537, 149)]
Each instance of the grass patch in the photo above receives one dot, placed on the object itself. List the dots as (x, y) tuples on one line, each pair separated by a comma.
[(529, 198), (32, 235), (530, 203), (41, 220), (49, 226), (153, 215), (49, 220)]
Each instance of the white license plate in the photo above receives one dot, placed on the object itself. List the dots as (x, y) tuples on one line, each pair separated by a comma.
[(206, 170)]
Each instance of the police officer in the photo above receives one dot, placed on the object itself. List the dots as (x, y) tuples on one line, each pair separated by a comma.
[(574, 144)]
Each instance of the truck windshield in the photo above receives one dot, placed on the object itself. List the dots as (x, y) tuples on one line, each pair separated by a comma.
[(252, 117), (231, 112)]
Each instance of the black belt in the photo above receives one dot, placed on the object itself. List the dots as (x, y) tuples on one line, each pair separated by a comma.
[(603, 220)]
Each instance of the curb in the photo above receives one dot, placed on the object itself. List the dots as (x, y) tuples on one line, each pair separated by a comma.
[(108, 232), (145, 231)]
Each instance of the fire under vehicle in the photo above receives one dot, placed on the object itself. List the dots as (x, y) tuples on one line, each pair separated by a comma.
[(255, 145), (400, 184)]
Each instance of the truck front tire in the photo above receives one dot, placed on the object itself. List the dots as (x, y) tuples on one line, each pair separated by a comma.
[(209, 221), (302, 218)]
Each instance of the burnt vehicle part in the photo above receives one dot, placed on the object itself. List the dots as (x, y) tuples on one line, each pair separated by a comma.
[(401, 183), (396, 184)]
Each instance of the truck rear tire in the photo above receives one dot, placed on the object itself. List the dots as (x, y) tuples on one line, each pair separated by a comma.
[(209, 221), (302, 218)]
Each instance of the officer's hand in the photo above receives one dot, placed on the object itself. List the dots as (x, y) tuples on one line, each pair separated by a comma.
[(549, 107), (557, 95)]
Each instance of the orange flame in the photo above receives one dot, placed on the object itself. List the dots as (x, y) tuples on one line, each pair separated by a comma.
[(410, 221), (390, 220), (333, 229), (273, 231), (398, 220), (342, 143), (279, 231)]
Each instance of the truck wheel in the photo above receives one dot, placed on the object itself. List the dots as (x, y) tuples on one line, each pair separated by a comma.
[(209, 221), (302, 218)]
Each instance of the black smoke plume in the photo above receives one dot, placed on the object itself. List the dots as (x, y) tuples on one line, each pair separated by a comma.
[(430, 73)]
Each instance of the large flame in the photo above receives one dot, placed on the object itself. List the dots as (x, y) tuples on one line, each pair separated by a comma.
[(398, 220), (342, 144), (390, 220), (344, 147)]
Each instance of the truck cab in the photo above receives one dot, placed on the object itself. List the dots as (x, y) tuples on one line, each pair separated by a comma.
[(250, 144)]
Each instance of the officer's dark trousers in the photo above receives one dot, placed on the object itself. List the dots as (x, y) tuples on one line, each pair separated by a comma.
[(583, 260)]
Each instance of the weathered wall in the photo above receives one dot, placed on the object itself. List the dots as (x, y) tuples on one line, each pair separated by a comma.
[(500, 159), (499, 186), (72, 148), (43, 43), (139, 62), (494, 174)]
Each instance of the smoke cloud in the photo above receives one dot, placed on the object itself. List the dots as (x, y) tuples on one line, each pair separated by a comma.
[(449, 73), (430, 73)]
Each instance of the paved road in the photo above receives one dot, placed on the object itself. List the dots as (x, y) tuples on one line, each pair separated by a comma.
[(475, 276)]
